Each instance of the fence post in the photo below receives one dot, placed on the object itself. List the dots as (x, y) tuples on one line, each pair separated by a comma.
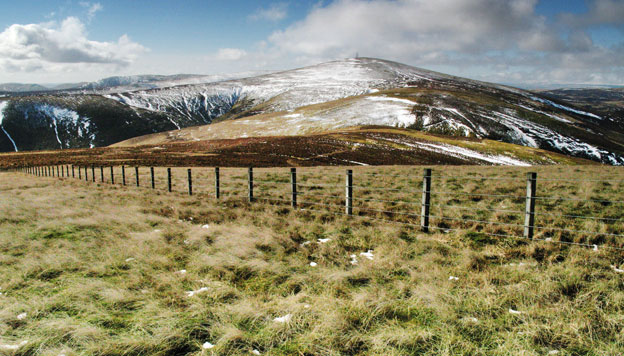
[(152, 174), (93, 173), (112, 176), (57, 171), (73, 172), (426, 200), (79, 173), (217, 183), (102, 174), (136, 174), (123, 175), (529, 215), (51, 171), (67, 170), (62, 171), (190, 182), (349, 193), (169, 178), (293, 185), (250, 183)]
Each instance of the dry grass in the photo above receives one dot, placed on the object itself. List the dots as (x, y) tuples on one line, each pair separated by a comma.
[(97, 268)]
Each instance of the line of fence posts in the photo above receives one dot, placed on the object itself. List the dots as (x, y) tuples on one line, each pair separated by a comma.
[(529, 218)]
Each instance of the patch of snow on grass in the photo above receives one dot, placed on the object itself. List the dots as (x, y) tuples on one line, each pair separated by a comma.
[(461, 152), (13, 347), (195, 292), (368, 254), (283, 319), (207, 345)]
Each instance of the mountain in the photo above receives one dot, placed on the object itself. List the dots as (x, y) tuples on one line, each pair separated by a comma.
[(315, 99), (20, 88)]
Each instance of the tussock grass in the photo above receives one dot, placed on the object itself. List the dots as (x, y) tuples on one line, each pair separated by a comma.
[(98, 269)]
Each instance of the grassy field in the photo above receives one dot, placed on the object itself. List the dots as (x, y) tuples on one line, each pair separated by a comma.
[(95, 269)]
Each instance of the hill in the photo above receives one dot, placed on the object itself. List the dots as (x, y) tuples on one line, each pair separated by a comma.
[(328, 96)]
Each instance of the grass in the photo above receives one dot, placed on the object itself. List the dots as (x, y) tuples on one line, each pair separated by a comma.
[(97, 268)]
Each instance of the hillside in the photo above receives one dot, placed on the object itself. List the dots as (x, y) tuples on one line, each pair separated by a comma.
[(328, 96), (354, 146)]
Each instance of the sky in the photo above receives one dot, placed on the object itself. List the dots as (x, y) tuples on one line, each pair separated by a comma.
[(523, 42)]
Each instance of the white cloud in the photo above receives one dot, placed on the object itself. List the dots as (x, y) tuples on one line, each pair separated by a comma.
[(92, 8), (275, 12), (473, 36), (53, 47), (230, 54)]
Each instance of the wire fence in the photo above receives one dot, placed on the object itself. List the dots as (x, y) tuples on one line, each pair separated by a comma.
[(513, 204)]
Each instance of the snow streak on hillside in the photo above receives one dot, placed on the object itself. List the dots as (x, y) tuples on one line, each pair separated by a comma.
[(2, 107)]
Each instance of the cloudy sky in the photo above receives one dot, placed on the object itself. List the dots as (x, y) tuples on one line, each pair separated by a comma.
[(524, 42)]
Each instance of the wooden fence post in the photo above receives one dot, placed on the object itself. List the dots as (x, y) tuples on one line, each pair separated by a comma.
[(250, 183), (426, 200), (153, 181), (123, 175), (112, 175), (190, 182), (349, 193), (169, 178), (293, 187), (217, 183), (529, 215), (93, 173), (102, 174), (136, 174)]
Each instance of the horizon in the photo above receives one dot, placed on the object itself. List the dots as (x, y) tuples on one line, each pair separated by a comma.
[(523, 43)]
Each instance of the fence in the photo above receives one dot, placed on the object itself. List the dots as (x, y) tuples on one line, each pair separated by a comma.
[(508, 208)]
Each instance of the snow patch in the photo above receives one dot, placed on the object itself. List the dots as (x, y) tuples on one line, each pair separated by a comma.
[(2, 106), (566, 108), (195, 292), (283, 319)]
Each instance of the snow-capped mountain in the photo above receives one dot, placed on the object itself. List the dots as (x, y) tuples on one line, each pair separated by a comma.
[(329, 96)]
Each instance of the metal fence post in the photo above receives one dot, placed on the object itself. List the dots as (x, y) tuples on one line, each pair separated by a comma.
[(190, 182), (73, 172), (86, 173), (349, 193), (293, 185), (426, 200), (79, 173), (529, 215), (217, 183), (250, 183), (93, 173), (102, 174), (152, 175), (112, 175), (57, 171), (123, 175), (169, 178), (136, 174)]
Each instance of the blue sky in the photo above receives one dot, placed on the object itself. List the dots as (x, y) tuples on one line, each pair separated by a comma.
[(511, 41)]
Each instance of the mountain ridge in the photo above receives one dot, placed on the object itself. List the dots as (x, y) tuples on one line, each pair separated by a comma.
[(328, 96)]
